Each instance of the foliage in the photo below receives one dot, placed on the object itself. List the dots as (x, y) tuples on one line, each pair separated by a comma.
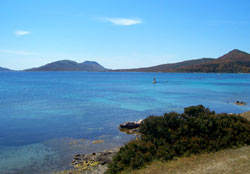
[(172, 135)]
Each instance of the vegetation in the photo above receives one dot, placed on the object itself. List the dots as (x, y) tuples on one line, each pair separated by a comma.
[(229, 161), (173, 135)]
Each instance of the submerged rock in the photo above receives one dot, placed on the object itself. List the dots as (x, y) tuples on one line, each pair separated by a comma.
[(241, 103), (97, 141)]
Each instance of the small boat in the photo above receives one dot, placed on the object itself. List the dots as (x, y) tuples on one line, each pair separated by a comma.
[(154, 81)]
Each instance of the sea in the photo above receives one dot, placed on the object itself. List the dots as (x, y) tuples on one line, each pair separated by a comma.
[(48, 117)]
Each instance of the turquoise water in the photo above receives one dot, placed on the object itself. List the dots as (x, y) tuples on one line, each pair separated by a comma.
[(45, 115)]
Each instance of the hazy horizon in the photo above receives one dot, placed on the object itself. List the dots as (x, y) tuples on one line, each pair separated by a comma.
[(120, 34), (117, 68)]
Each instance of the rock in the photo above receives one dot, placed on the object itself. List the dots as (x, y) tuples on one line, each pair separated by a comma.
[(131, 125), (241, 103), (92, 163)]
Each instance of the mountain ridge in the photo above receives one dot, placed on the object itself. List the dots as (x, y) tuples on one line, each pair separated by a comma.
[(169, 67), (4, 69), (69, 65), (235, 61)]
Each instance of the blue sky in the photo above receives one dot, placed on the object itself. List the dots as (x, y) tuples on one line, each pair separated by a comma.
[(120, 33)]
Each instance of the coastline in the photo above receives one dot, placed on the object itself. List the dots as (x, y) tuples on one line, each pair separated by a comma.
[(97, 162), (95, 115)]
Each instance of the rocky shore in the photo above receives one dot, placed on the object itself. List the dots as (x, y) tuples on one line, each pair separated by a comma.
[(94, 163), (97, 163)]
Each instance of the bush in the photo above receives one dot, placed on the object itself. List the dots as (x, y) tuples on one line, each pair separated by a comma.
[(172, 135)]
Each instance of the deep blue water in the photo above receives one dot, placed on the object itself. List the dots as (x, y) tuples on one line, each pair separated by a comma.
[(42, 113)]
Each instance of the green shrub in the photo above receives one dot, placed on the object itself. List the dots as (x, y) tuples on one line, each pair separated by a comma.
[(172, 135)]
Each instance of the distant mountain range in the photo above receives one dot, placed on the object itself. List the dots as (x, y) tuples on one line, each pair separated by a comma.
[(171, 67), (68, 65), (235, 61), (4, 69)]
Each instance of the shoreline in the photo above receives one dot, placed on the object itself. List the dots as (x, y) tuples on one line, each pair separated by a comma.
[(97, 162)]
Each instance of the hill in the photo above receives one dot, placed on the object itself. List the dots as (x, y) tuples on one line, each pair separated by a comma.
[(235, 61), (68, 65), (172, 67), (4, 69)]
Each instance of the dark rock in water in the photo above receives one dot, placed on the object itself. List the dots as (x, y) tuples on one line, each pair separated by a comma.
[(240, 103), (131, 125)]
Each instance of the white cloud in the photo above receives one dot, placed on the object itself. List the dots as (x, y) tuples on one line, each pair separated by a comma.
[(17, 52), (123, 21), (21, 32)]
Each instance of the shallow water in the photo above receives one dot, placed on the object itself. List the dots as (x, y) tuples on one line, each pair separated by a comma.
[(44, 113)]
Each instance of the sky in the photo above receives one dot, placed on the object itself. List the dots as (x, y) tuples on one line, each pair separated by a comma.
[(120, 33)]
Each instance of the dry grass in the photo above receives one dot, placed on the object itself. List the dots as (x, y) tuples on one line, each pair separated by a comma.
[(246, 115), (231, 161)]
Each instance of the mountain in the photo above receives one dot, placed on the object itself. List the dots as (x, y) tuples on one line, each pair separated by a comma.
[(235, 61), (171, 67), (68, 65), (4, 69)]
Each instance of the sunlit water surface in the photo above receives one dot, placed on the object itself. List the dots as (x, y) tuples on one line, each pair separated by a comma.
[(44, 116)]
